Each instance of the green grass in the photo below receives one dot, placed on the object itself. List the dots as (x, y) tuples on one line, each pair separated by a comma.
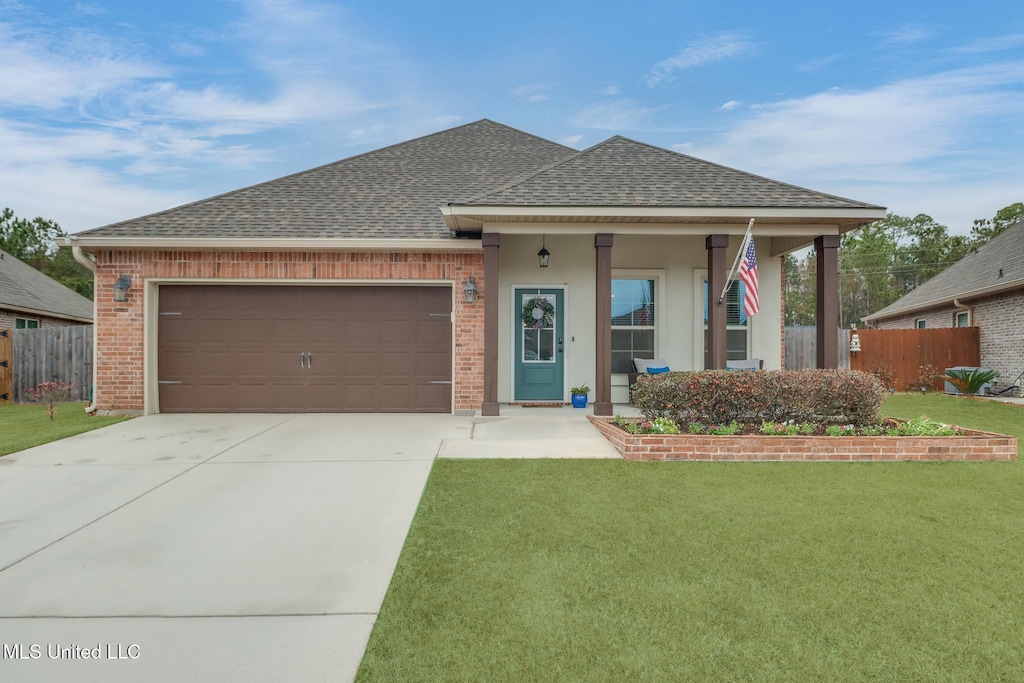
[(1005, 418), (24, 426), (609, 570)]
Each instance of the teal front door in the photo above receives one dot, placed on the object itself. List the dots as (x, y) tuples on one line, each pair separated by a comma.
[(539, 330)]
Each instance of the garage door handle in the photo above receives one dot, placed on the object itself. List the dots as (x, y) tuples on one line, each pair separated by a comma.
[(309, 359), (440, 381), (302, 359)]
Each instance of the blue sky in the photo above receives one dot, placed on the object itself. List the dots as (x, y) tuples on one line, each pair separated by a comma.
[(113, 109)]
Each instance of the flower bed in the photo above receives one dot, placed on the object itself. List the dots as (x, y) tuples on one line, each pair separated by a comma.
[(968, 444)]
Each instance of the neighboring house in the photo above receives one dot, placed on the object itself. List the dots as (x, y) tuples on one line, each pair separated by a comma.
[(985, 289), (344, 288), (29, 299)]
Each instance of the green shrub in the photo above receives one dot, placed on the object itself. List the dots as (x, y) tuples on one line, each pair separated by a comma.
[(970, 382), (720, 396)]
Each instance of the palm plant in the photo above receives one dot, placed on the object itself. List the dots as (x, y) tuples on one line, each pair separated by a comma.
[(969, 381)]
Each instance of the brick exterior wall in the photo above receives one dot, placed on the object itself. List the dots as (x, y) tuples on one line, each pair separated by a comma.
[(972, 445), (1001, 322), (120, 325), (7, 320)]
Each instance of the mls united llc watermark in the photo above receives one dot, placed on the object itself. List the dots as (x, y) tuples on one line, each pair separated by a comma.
[(58, 651)]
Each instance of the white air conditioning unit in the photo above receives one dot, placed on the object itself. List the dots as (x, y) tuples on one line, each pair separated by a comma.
[(950, 389)]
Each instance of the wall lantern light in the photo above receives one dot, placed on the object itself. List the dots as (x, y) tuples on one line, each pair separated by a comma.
[(543, 254), (121, 287), (470, 291)]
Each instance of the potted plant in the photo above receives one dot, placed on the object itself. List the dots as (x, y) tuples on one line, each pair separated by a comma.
[(579, 396)]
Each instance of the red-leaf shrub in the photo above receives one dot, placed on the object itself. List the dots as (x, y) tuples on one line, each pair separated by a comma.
[(721, 396), (51, 394)]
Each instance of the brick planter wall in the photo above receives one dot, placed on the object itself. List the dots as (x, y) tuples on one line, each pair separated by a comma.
[(972, 445)]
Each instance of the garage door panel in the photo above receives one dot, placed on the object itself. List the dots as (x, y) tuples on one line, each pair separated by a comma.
[(397, 365), (396, 398), (432, 394), (433, 332), (361, 398), (237, 348), (362, 332), (433, 365)]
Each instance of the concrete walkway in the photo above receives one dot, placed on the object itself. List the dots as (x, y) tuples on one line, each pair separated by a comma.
[(521, 432)]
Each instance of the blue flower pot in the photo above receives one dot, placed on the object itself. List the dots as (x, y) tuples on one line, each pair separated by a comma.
[(579, 400)]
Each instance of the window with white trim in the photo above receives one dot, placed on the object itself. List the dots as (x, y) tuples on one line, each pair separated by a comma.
[(920, 323), (633, 322), (962, 319), (26, 323)]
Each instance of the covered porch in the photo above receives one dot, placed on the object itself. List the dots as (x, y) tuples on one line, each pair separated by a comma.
[(612, 292)]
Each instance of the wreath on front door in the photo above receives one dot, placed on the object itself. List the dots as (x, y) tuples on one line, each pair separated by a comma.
[(538, 312)]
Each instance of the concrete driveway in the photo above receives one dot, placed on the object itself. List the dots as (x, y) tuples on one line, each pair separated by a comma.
[(177, 547)]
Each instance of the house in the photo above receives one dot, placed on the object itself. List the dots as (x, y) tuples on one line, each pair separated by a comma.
[(985, 289), (29, 299), (459, 271)]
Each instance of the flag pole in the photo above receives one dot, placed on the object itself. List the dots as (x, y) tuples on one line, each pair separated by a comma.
[(747, 236)]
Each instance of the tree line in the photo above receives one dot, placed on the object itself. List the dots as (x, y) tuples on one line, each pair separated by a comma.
[(35, 242), (881, 262)]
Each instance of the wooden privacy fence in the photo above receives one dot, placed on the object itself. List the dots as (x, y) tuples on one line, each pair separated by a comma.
[(906, 351), (51, 354), (6, 389), (802, 346)]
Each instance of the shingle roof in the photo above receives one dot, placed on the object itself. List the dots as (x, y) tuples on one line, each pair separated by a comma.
[(394, 192), (397, 191), (22, 286), (624, 172), (977, 271)]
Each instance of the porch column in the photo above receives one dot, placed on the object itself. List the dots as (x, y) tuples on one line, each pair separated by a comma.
[(716, 246), (827, 314), (603, 346), (491, 241)]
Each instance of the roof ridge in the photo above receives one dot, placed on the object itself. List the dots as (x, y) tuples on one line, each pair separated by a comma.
[(522, 179), (297, 174), (746, 173), (544, 169)]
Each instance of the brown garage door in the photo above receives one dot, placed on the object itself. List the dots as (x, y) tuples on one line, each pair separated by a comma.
[(227, 348)]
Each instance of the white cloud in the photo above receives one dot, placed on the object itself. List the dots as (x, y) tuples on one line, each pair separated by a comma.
[(620, 114), (730, 105), (571, 140), (994, 44), (861, 132), (683, 147), (611, 90), (532, 92), (49, 72), (905, 34), (813, 65), (89, 9), (916, 145), (79, 196), (698, 53)]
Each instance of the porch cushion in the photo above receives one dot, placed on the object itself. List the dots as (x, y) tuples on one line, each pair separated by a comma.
[(651, 370), (644, 364)]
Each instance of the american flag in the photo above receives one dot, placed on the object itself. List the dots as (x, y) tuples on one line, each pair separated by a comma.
[(748, 273)]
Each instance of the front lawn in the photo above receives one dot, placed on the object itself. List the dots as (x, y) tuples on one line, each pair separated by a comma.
[(610, 570), (24, 426)]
